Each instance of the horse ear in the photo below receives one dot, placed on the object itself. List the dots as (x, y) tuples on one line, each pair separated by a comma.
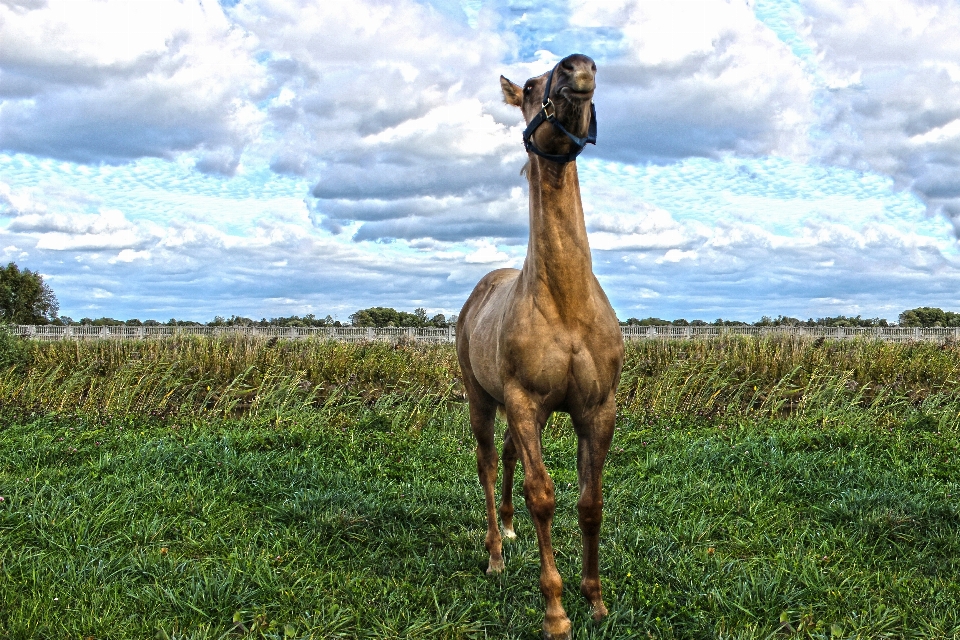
[(512, 94)]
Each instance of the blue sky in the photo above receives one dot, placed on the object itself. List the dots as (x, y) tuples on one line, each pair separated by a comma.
[(270, 157)]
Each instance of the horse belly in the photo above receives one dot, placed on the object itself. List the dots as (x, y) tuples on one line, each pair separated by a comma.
[(486, 327), (484, 358)]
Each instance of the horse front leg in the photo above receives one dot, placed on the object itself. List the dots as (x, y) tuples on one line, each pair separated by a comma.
[(594, 435), (526, 420)]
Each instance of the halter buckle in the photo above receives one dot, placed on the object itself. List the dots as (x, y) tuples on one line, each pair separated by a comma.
[(548, 115)]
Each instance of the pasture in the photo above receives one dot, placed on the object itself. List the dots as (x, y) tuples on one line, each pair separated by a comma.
[(240, 487)]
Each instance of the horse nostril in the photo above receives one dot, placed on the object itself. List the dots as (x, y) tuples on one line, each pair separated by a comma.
[(583, 81), (567, 65)]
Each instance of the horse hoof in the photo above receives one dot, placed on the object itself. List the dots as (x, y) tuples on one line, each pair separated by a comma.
[(495, 567), (563, 631), (509, 534), (599, 611)]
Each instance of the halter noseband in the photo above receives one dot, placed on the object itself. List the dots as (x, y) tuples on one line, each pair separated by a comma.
[(544, 116)]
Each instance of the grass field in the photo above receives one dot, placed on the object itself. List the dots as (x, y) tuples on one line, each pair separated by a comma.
[(190, 489)]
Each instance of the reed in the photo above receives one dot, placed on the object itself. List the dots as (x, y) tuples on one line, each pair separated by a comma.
[(231, 376)]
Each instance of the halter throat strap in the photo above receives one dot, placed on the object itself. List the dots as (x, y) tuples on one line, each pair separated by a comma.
[(547, 113)]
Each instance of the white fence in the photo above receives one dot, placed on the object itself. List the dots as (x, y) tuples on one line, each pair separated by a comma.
[(893, 334), (346, 334), (398, 334)]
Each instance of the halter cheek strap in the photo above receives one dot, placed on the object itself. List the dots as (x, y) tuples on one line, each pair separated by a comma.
[(548, 113)]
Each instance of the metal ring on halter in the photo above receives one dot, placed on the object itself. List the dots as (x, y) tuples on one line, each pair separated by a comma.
[(542, 116)]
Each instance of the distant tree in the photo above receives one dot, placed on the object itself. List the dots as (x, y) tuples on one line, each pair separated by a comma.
[(783, 321), (25, 298), (837, 321), (779, 321), (646, 322), (929, 317), (101, 322), (173, 322), (308, 320), (363, 318), (720, 322), (848, 321), (388, 317), (239, 321)]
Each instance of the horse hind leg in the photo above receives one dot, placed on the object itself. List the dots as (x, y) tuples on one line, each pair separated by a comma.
[(510, 456), (482, 416)]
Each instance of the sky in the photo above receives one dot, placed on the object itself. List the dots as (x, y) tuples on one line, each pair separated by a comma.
[(179, 158)]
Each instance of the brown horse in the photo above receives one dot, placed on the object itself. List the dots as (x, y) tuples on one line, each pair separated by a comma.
[(545, 339)]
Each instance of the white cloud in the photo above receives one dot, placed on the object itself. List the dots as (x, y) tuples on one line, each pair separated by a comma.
[(78, 231), (486, 253), (676, 255), (393, 102), (14, 202), (112, 81), (129, 255), (645, 228), (700, 77), (893, 104), (394, 110)]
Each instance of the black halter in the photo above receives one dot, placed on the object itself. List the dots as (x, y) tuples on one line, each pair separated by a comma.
[(544, 116)]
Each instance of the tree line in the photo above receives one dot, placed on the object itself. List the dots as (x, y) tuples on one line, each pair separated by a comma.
[(373, 317), (26, 299), (767, 321), (919, 317)]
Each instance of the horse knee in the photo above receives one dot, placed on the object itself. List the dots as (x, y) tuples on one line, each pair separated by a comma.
[(590, 514), (506, 512), (486, 463), (541, 501)]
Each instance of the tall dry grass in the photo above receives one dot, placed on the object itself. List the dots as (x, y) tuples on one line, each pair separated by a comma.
[(221, 377), (782, 375), (230, 376)]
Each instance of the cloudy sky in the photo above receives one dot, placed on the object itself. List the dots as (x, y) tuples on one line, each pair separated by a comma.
[(182, 158)]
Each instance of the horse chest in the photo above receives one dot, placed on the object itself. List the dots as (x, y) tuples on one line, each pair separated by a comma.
[(563, 368)]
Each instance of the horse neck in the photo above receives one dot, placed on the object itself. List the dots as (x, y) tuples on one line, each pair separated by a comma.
[(558, 263)]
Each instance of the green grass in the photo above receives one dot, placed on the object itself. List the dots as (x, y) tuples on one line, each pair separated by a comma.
[(118, 530), (755, 489)]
